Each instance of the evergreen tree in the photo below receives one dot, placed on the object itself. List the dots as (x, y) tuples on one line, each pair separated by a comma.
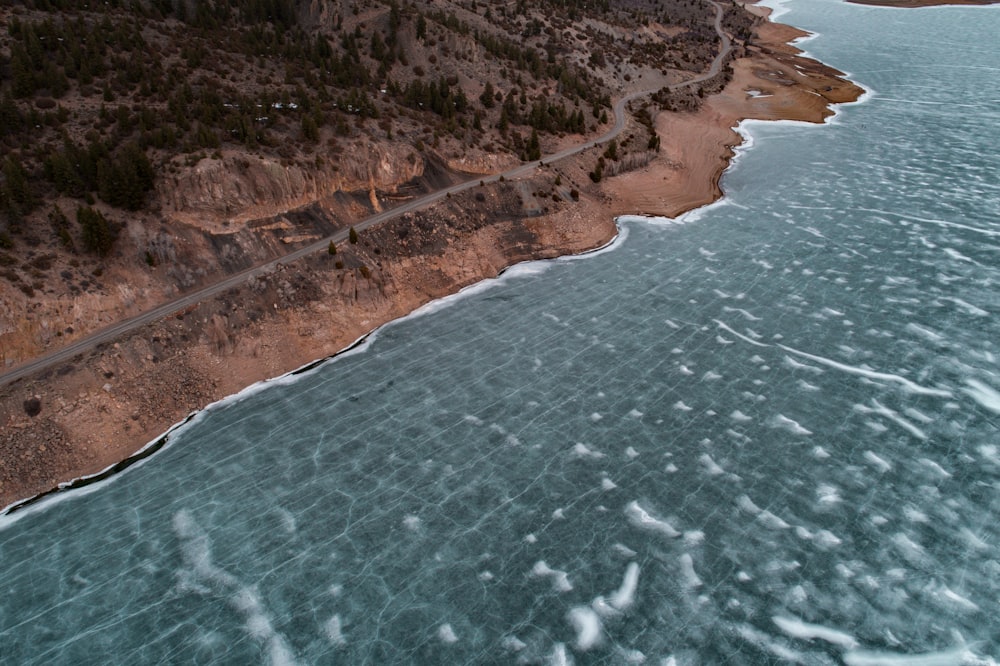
[(534, 149), (17, 198), (310, 130), (487, 98), (97, 234)]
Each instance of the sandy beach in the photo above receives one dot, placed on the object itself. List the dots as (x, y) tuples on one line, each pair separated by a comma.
[(112, 401)]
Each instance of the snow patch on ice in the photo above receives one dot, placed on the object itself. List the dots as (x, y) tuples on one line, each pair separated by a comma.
[(447, 634), (711, 467), (643, 519), (985, 395), (954, 657), (624, 596), (587, 625), (690, 578), (881, 463), (583, 451), (559, 656), (807, 631), (784, 423), (560, 579), (333, 629)]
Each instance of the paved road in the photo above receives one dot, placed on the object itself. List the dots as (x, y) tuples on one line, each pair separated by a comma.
[(126, 325)]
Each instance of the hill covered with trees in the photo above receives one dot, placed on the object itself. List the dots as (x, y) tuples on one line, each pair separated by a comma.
[(106, 107)]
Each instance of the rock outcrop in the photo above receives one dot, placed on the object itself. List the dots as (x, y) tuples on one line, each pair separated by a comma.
[(238, 187)]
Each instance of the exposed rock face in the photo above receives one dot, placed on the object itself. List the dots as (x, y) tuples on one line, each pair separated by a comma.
[(482, 163), (240, 187)]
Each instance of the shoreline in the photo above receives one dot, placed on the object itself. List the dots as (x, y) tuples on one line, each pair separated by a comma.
[(697, 148), (16, 510)]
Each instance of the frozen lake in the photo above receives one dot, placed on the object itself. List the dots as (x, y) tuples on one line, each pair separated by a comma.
[(767, 433)]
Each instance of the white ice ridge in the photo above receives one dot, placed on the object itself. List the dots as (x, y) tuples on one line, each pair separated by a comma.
[(882, 410), (924, 332), (983, 394), (907, 385), (931, 220), (759, 638), (968, 307), (560, 580), (203, 576), (807, 631), (739, 335), (587, 625), (743, 312), (954, 657), (643, 519)]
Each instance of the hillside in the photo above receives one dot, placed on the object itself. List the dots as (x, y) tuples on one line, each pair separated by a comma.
[(150, 147)]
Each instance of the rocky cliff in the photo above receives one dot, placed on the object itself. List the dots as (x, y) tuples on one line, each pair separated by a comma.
[(237, 187)]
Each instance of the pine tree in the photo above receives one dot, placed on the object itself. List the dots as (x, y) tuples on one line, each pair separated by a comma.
[(534, 150), (17, 198), (486, 99), (97, 234)]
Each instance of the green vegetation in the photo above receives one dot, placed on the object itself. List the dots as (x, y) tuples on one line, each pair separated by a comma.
[(100, 101), (97, 233)]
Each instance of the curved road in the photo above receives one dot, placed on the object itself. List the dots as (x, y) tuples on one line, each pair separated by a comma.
[(124, 326)]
